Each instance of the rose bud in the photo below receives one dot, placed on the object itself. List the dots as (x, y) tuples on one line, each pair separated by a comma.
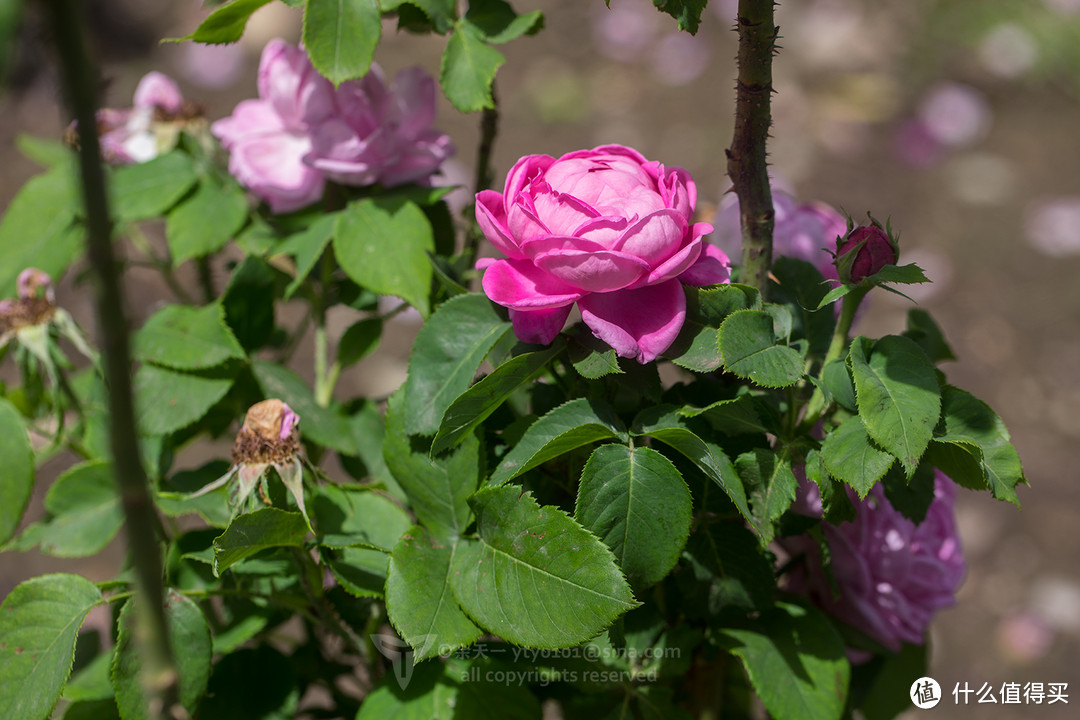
[(864, 252)]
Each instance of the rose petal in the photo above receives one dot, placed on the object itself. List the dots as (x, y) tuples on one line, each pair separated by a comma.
[(158, 90), (562, 214), (521, 285), (524, 172), (522, 221), (412, 101), (711, 268), (605, 231), (655, 237), (539, 327), (639, 323), (596, 271), (272, 167), (491, 217), (250, 118)]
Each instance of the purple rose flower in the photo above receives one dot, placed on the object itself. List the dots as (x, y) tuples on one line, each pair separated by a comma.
[(806, 232), (892, 575), (381, 134), (268, 138), (606, 229), (302, 132)]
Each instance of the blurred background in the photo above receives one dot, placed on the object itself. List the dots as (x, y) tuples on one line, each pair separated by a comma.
[(958, 119)]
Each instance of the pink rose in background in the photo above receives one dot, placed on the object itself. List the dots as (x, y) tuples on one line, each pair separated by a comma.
[(807, 232), (268, 138), (892, 575), (381, 134), (302, 132), (606, 229), (128, 135)]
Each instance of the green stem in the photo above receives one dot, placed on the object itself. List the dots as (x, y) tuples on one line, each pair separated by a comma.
[(747, 157), (485, 174), (206, 279), (837, 348), (325, 378), (80, 80)]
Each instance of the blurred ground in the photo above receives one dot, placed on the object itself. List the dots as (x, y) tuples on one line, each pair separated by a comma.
[(955, 119)]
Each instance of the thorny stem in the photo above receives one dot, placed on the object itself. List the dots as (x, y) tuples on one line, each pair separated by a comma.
[(80, 79), (747, 158)]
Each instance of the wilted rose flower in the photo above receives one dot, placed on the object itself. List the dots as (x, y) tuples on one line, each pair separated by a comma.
[(34, 321), (603, 228), (381, 134), (891, 574), (302, 132), (149, 128), (269, 438), (269, 138), (806, 232), (872, 250)]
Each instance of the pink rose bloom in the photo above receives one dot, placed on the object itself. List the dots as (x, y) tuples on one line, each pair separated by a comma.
[(892, 575), (127, 135), (606, 229), (268, 138), (806, 232), (380, 134)]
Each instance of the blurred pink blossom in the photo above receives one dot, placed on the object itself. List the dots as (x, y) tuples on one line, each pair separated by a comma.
[(1053, 225), (127, 135), (679, 58), (807, 232), (891, 574), (605, 229), (954, 114), (623, 30), (211, 66)]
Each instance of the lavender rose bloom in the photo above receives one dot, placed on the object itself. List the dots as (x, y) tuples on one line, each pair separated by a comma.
[(892, 575), (128, 135), (381, 134), (268, 138), (806, 232), (606, 229)]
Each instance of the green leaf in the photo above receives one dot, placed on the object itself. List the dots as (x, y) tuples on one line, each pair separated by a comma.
[(468, 69), (572, 425), (440, 13), (697, 347), (359, 341), (904, 274), (852, 457), (36, 230), (189, 638), (253, 532), (447, 352), (340, 37), (898, 395), (748, 349), (912, 497), (17, 479), (835, 503), (355, 521), (728, 566), (174, 499), (591, 356), (206, 220), (887, 694), (638, 504), (803, 287), (382, 245), (687, 12), (730, 417), (186, 338), (84, 512), (251, 684), (249, 303), (39, 623), (474, 405), (835, 294), (46, 152), (535, 577), (969, 425), (307, 247), (149, 189), (322, 425), (795, 660), (438, 488), (666, 425), (772, 486), (495, 21), (836, 378), (923, 330), (226, 24), (166, 400), (419, 602)]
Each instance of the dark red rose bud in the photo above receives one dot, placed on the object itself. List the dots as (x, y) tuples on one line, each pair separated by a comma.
[(864, 252)]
